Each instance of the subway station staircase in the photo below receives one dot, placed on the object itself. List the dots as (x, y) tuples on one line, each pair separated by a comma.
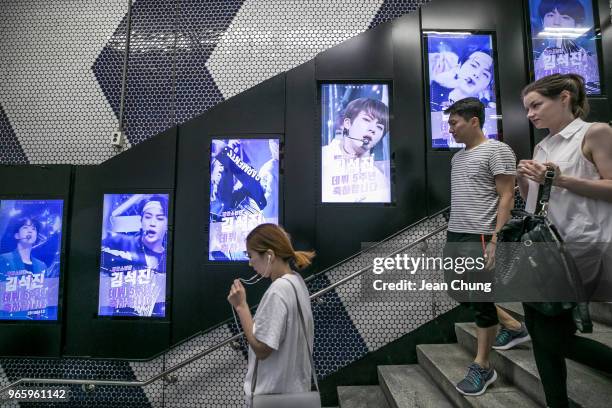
[(431, 382), (355, 335)]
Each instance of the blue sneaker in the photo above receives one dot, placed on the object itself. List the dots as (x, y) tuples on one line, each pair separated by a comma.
[(477, 380), (506, 338)]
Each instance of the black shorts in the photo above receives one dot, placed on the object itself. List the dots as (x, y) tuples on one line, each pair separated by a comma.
[(471, 245)]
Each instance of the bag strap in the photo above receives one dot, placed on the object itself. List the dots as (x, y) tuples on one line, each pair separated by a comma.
[(544, 191), (303, 324), (312, 365)]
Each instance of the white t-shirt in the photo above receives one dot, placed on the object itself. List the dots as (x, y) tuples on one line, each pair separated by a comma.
[(277, 324)]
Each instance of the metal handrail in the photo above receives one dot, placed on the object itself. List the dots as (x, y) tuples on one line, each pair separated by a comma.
[(91, 384)]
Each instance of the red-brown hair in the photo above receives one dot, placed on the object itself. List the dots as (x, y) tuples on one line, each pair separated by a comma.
[(271, 236)]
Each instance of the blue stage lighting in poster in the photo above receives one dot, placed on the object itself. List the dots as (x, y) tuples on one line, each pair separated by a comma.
[(244, 193), (461, 65), (30, 249), (133, 255), (355, 149), (563, 40)]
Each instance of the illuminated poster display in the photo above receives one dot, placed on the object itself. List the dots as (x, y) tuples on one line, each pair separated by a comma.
[(30, 249), (563, 40), (460, 65), (355, 148), (244, 193), (134, 255)]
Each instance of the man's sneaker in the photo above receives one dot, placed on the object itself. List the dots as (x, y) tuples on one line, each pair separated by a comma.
[(506, 338), (477, 380)]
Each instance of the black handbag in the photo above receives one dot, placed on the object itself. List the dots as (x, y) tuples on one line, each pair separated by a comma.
[(532, 261)]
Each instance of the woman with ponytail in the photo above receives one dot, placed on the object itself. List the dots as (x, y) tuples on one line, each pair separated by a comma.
[(277, 345), (580, 207)]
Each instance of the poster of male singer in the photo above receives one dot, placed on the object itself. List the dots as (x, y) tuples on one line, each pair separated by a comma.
[(564, 41), (244, 191), (355, 149), (461, 65), (133, 257), (30, 249)]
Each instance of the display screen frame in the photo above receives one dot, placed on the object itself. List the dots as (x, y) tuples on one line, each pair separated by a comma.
[(240, 136), (169, 252), (62, 256), (596, 31), (427, 86), (319, 147)]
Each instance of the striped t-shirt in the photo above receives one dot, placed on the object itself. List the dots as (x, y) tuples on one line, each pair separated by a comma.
[(474, 198)]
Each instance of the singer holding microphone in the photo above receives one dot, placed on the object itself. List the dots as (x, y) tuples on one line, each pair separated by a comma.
[(350, 172), (278, 347)]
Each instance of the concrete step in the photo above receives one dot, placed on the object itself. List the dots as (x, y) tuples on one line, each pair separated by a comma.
[(585, 387), (408, 386), (447, 365), (601, 332), (601, 312), (364, 396)]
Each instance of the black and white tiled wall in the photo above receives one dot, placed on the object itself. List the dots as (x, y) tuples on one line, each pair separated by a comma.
[(60, 85), (56, 110), (62, 61)]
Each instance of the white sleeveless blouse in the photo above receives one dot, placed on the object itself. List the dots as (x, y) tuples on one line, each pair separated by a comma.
[(579, 219)]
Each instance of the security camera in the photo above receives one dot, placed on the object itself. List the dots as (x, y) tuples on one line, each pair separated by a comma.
[(117, 138)]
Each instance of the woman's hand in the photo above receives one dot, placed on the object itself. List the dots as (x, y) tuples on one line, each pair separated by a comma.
[(237, 295), (558, 179), (532, 170)]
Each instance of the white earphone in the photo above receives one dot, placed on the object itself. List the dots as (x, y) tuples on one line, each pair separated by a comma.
[(251, 281), (256, 278)]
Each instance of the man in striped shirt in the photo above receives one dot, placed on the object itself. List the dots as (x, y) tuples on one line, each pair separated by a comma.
[(482, 195)]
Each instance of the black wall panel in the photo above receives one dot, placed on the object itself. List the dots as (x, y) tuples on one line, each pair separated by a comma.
[(366, 56), (301, 128), (409, 137), (202, 286), (605, 23), (27, 338), (506, 20), (341, 228), (148, 166)]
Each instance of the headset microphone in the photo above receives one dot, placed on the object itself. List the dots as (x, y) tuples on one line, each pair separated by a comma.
[(365, 141)]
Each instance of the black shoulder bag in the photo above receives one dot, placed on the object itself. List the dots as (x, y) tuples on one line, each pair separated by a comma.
[(539, 261)]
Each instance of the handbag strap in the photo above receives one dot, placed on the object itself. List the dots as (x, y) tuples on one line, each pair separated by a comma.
[(303, 324), (312, 365), (544, 191)]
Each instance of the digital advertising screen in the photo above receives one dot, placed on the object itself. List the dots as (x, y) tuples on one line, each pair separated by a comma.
[(563, 40), (133, 258), (30, 250), (460, 65), (355, 147), (244, 193)]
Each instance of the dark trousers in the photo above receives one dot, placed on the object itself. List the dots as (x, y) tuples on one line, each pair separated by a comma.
[(470, 245), (553, 341)]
